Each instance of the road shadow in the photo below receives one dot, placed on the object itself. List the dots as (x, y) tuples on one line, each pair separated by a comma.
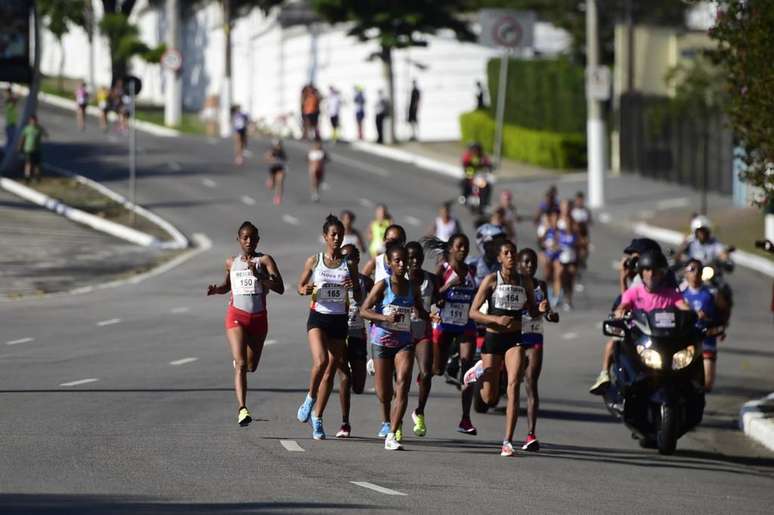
[(748, 352), (151, 390), (66, 504)]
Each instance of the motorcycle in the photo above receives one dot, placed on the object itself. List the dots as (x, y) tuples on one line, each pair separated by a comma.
[(477, 190), (713, 276), (657, 376)]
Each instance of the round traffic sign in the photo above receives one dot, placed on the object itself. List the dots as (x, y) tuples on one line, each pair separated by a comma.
[(172, 59), (507, 32), (132, 82)]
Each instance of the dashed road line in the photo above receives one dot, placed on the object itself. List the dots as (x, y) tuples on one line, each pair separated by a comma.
[(672, 203), (181, 309), (109, 322), (183, 361), (270, 342), (366, 202), (20, 340), (569, 336), (377, 488), (209, 183), (174, 166), (291, 445), (248, 153), (250, 201), (413, 220), (292, 220), (80, 381)]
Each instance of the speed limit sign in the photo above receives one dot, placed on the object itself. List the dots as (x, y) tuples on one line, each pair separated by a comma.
[(172, 59), (506, 28)]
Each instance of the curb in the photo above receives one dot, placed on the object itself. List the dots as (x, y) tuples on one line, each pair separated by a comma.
[(756, 419), (745, 259), (100, 224), (439, 167), (150, 128)]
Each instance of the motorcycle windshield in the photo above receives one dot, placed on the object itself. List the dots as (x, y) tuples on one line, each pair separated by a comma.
[(665, 323)]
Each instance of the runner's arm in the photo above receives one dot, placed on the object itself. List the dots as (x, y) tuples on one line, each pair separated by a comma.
[(274, 281), (376, 293), (370, 266), (476, 315), (304, 286), (225, 286)]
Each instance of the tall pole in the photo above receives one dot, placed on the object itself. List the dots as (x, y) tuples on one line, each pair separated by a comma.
[(595, 126), (132, 153), (501, 94), (173, 105), (225, 94)]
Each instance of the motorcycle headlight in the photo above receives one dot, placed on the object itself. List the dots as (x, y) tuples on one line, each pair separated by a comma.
[(650, 357), (683, 358)]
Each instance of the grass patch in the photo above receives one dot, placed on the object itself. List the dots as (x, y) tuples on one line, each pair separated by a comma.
[(80, 196)]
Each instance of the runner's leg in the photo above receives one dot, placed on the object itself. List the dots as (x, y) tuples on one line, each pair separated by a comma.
[(236, 342), (319, 360), (490, 379), (533, 375), (514, 358), (336, 351), (424, 357), (404, 363), (385, 367), (467, 353)]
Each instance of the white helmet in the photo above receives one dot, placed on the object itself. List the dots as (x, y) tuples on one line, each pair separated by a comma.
[(701, 222)]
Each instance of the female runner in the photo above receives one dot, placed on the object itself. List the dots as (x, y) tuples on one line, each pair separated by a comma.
[(458, 286), (277, 159), (377, 265), (532, 341), (327, 278), (421, 331), (389, 306), (357, 350), (508, 294), (249, 277)]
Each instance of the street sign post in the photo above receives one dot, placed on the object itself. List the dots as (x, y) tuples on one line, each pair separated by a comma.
[(508, 30)]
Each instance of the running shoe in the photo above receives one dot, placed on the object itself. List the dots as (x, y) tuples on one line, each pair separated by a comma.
[(506, 449), (383, 430), (277, 200), (370, 367), (531, 444), (243, 417), (391, 444), (344, 431), (603, 381), (399, 433), (467, 427), (315, 197), (420, 429), (305, 410), (318, 433), (473, 373)]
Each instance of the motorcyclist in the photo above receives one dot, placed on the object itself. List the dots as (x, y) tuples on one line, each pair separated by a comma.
[(474, 160), (656, 291), (702, 245)]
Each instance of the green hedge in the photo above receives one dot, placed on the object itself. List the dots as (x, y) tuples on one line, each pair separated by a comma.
[(545, 94), (563, 150)]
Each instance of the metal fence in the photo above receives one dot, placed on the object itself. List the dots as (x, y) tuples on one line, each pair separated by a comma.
[(695, 149)]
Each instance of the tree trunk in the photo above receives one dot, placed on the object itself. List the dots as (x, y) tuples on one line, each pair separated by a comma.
[(386, 55), (60, 79)]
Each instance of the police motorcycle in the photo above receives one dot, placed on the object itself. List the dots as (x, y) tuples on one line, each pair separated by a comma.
[(477, 181), (657, 376)]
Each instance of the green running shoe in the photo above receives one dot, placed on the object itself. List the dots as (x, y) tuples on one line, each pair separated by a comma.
[(420, 429)]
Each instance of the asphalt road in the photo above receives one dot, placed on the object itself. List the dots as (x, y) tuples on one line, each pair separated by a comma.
[(147, 423)]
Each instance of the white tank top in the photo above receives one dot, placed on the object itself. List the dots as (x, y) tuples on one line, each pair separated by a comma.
[(330, 295), (381, 272), (445, 230), (246, 290)]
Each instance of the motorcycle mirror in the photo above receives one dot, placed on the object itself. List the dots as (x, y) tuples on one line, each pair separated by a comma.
[(613, 328), (707, 273)]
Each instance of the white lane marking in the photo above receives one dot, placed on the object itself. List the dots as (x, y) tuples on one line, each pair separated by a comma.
[(248, 200), (174, 166), (604, 217), (109, 322), (183, 361), (291, 445), (209, 183), (413, 220), (377, 488), (376, 170), (292, 220), (20, 340), (179, 310), (270, 342), (366, 203), (248, 153), (672, 203), (647, 213), (569, 336), (80, 381)]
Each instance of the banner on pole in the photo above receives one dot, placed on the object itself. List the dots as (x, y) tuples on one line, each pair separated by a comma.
[(506, 28), (15, 41)]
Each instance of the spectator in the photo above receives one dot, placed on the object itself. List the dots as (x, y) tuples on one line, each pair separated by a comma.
[(103, 103), (239, 120), (382, 112), (414, 109), (334, 107), (310, 108), (359, 101), (82, 100), (444, 225), (480, 103), (30, 145)]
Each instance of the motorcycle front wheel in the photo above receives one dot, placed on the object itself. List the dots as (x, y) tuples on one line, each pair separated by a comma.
[(666, 434)]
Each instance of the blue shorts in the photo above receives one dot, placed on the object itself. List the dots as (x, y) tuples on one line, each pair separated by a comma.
[(710, 348), (532, 340)]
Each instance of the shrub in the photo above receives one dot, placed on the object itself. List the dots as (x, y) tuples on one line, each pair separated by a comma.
[(562, 150)]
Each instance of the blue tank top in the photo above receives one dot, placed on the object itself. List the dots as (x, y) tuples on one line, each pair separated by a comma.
[(395, 334)]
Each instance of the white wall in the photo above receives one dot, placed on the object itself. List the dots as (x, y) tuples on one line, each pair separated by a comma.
[(270, 65)]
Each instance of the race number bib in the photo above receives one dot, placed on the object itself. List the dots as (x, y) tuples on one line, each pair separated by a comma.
[(243, 282), (509, 297), (532, 325), (404, 318), (454, 313), (354, 319), (329, 292)]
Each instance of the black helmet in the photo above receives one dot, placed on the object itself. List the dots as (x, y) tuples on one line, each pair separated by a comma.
[(653, 260)]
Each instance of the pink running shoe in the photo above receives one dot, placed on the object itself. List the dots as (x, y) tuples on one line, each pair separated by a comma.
[(277, 200), (473, 373), (507, 449), (531, 444), (467, 427), (344, 431)]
